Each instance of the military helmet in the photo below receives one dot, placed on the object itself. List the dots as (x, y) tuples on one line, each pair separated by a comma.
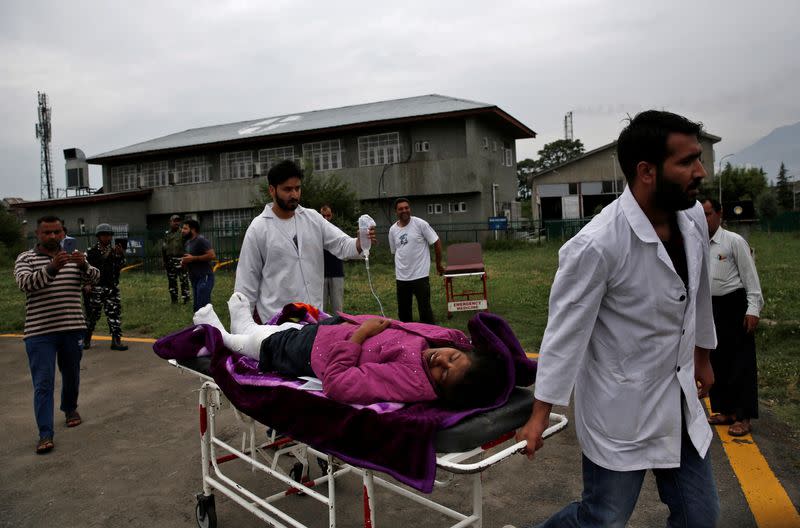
[(103, 228)]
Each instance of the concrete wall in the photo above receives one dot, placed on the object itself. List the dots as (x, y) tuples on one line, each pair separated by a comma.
[(132, 212)]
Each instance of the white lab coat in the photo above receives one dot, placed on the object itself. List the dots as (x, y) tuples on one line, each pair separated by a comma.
[(622, 330), (272, 272)]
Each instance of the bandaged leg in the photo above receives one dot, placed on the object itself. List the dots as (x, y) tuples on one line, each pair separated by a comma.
[(248, 344), (241, 314)]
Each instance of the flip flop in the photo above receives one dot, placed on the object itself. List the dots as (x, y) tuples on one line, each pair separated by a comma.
[(740, 429), (720, 419), (45, 445), (73, 419)]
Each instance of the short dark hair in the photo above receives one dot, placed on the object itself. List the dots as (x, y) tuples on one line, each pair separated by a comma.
[(481, 385), (193, 224), (282, 171), (401, 200), (715, 205), (645, 139), (49, 219)]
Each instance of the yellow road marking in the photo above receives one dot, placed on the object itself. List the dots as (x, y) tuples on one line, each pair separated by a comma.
[(532, 355), (101, 338), (768, 501)]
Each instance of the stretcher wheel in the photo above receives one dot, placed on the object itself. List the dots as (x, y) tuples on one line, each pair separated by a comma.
[(205, 511)]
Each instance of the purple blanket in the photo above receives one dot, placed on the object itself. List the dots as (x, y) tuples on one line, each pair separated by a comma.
[(400, 443)]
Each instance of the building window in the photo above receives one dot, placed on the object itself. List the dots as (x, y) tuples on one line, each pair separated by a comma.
[(231, 222), (124, 178), (422, 146), (269, 157), (508, 155), (192, 170), (494, 146), (325, 155), (434, 208), (236, 165), (155, 174), (457, 207), (380, 149)]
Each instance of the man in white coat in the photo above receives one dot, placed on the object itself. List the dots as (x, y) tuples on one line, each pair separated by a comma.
[(630, 328), (281, 260)]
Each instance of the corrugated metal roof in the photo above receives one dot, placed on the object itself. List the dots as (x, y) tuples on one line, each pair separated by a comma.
[(425, 105)]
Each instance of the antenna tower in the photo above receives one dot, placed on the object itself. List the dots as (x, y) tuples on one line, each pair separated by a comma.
[(43, 135), (568, 126)]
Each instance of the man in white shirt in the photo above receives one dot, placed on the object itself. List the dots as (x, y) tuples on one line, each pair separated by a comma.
[(737, 300), (630, 328), (409, 239), (281, 260)]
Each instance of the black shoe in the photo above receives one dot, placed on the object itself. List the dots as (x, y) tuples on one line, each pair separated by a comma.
[(116, 344)]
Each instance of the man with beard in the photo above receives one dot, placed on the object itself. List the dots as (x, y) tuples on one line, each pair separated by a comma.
[(197, 261), (737, 301), (54, 325), (281, 260), (630, 327)]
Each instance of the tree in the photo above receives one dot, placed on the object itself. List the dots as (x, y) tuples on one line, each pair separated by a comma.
[(738, 183), (525, 169), (767, 205), (558, 152), (784, 190), (11, 240)]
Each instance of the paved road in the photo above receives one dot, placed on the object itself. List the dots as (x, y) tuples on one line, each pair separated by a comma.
[(135, 461)]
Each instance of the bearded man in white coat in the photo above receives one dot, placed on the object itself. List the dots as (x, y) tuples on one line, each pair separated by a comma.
[(630, 327), (281, 260)]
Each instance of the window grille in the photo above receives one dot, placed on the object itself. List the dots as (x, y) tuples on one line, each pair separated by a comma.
[(192, 170), (155, 174), (379, 149), (236, 165), (325, 155), (230, 222), (124, 178), (269, 157)]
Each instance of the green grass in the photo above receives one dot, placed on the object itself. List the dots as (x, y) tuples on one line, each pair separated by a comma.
[(520, 276)]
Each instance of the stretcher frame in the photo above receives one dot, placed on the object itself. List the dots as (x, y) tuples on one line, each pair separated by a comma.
[(212, 402)]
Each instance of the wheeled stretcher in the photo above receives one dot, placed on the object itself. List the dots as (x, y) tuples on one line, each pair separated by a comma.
[(467, 448)]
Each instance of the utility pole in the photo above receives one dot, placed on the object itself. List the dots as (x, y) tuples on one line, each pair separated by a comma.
[(568, 133), (43, 133)]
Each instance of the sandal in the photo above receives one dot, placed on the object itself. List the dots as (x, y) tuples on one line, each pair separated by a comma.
[(741, 428), (73, 419), (720, 419), (45, 445)]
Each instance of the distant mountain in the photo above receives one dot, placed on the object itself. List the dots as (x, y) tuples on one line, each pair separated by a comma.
[(780, 145)]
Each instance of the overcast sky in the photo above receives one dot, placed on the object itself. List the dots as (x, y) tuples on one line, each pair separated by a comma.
[(118, 73)]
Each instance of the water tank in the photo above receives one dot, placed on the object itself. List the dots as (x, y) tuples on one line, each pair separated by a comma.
[(77, 169)]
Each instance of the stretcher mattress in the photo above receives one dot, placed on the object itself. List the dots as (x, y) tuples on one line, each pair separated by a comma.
[(472, 432)]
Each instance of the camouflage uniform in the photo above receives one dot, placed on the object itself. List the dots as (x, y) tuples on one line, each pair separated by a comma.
[(105, 294), (172, 250)]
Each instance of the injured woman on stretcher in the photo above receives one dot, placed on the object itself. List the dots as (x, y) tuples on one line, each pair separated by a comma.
[(367, 360)]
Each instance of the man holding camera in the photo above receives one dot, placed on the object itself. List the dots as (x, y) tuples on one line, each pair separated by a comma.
[(51, 277), (104, 296)]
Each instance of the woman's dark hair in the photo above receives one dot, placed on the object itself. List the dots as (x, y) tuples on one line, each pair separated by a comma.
[(482, 383)]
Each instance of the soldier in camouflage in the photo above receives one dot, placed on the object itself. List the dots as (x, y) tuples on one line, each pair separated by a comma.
[(104, 296), (172, 251)]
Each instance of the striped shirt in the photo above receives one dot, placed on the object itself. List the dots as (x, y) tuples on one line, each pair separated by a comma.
[(53, 302)]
